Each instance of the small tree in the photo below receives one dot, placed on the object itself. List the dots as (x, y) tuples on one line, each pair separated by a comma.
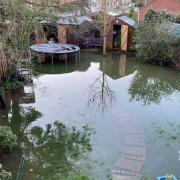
[(103, 22)]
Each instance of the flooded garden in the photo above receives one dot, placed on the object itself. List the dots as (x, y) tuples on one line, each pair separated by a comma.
[(95, 118)]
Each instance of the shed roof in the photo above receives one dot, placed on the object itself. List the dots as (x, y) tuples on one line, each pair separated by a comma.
[(128, 20), (74, 20)]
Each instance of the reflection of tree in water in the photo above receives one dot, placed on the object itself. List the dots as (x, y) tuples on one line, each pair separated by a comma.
[(21, 117), (56, 151), (152, 85), (149, 90), (100, 93)]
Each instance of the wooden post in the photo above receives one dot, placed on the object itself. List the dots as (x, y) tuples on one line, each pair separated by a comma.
[(105, 30)]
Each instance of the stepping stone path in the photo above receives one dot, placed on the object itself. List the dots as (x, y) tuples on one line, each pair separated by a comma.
[(132, 158)]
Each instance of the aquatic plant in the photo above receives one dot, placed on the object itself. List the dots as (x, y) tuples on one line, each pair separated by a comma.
[(170, 134)]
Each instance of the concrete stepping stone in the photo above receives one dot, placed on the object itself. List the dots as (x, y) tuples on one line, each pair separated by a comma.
[(134, 150), (123, 172), (121, 177), (134, 141), (131, 165), (133, 157)]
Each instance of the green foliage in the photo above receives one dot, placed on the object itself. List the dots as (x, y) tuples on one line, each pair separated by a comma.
[(139, 3), (5, 175), (132, 13), (158, 16), (17, 22), (155, 42), (144, 178), (77, 7), (9, 85), (8, 140)]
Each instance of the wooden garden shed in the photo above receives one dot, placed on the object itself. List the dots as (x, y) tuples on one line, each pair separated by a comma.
[(120, 33), (70, 29)]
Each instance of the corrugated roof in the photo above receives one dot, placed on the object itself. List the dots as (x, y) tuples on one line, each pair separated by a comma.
[(73, 20), (128, 20)]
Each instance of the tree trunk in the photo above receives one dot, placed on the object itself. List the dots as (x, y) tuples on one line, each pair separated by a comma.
[(105, 29), (104, 46)]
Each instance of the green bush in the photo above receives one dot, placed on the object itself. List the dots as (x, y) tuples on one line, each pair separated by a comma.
[(4, 175), (8, 140), (155, 41)]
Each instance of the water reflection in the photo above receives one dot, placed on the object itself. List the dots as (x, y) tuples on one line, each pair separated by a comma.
[(114, 66), (19, 116), (100, 93), (62, 66), (152, 84), (57, 151), (117, 66), (54, 152)]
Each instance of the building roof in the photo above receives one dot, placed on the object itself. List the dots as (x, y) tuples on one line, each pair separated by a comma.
[(111, 13), (169, 6), (128, 20), (176, 29), (73, 20)]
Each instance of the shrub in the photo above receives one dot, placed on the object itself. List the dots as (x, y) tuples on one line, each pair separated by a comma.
[(8, 140), (4, 175), (153, 15), (155, 42)]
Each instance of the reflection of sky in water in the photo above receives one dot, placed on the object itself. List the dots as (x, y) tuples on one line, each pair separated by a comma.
[(63, 97)]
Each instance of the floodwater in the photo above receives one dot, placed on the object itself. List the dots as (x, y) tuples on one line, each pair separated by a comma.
[(79, 116)]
